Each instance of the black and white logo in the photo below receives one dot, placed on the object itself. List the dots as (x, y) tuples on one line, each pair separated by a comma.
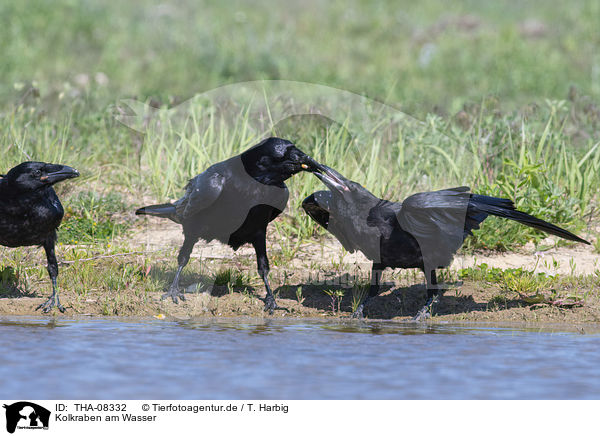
[(26, 415)]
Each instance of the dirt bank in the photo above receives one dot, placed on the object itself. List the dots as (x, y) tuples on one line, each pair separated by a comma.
[(471, 301), (305, 281)]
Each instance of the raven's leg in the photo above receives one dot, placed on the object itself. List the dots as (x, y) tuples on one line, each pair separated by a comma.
[(182, 260), (260, 247), (376, 271), (53, 272), (432, 297)]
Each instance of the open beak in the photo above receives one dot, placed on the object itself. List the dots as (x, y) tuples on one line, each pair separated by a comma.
[(331, 178), (61, 172)]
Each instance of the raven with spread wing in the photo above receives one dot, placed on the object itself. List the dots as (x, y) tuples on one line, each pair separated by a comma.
[(424, 231)]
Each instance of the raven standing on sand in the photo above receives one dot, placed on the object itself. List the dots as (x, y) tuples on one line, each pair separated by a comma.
[(30, 213), (424, 231), (233, 202)]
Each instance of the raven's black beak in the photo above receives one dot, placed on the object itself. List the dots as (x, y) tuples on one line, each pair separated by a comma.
[(58, 173), (331, 178), (309, 164)]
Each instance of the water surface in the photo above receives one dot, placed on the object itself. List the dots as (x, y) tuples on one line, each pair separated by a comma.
[(293, 359)]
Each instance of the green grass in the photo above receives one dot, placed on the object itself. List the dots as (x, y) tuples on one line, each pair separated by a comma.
[(359, 293), (10, 281), (422, 54), (229, 276), (532, 289), (89, 218), (516, 280), (505, 109), (532, 160)]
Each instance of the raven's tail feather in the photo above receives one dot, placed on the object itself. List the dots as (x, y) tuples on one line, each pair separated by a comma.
[(482, 204), (166, 210)]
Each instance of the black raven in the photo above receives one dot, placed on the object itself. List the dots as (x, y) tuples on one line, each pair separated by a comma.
[(30, 212), (233, 202), (424, 231)]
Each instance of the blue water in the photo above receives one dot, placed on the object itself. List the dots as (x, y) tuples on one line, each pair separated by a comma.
[(296, 359)]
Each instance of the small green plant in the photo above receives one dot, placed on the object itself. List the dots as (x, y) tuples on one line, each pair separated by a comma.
[(515, 280), (481, 272), (525, 283), (228, 276), (299, 295), (336, 296), (497, 301), (359, 292), (9, 281), (572, 266), (248, 296)]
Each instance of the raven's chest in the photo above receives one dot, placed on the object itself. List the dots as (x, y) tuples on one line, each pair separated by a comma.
[(254, 225), (29, 221)]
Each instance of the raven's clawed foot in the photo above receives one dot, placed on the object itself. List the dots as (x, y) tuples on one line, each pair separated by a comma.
[(425, 312), (175, 294), (358, 313), (50, 303), (271, 305)]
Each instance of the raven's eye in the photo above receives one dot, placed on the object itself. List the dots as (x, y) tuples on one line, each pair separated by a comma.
[(36, 173)]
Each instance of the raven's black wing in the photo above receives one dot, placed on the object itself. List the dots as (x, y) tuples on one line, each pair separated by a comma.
[(437, 221), (201, 191)]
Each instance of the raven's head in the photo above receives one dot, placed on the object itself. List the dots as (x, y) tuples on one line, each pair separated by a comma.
[(30, 176), (344, 197), (275, 160), (318, 206), (344, 210)]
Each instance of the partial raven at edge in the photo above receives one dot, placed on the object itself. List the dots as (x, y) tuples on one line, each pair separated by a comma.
[(30, 213)]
